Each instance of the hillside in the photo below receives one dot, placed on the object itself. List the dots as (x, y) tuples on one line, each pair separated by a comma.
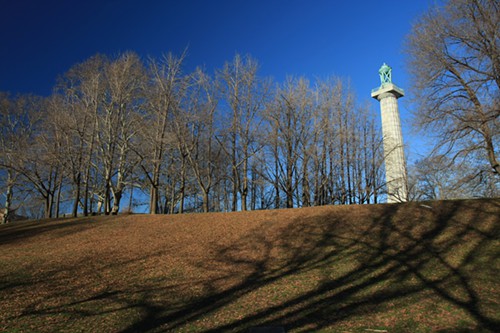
[(412, 267)]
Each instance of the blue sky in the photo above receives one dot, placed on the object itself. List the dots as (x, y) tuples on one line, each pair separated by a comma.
[(317, 38)]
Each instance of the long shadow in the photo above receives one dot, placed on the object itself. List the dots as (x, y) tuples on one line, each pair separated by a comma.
[(396, 252), (22, 231), (416, 254), (388, 249)]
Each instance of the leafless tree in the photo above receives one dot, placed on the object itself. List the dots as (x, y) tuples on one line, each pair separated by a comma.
[(193, 141), (81, 90), (39, 163), (117, 123), (455, 63), (289, 119), (17, 125), (246, 95), (195, 128), (438, 178), (164, 93)]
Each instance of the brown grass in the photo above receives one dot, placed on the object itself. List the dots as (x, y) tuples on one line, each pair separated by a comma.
[(398, 268)]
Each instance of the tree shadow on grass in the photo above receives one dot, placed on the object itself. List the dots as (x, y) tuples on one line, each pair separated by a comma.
[(325, 270), (396, 256), (22, 231)]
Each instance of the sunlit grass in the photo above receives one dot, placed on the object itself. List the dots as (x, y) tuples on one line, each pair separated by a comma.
[(394, 268)]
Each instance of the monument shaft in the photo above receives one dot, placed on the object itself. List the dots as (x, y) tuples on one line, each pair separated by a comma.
[(395, 165)]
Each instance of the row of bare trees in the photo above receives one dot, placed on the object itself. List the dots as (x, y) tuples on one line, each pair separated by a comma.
[(233, 140), (187, 141)]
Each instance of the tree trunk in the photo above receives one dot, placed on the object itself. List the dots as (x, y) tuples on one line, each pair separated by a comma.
[(165, 206), (172, 198), (74, 212), (183, 185), (205, 202), (86, 200), (244, 189), (491, 155), (154, 191), (276, 176), (236, 185), (99, 206), (343, 196), (117, 196), (153, 199), (253, 189), (8, 196), (58, 198), (306, 194), (234, 206), (289, 177), (49, 200), (107, 198)]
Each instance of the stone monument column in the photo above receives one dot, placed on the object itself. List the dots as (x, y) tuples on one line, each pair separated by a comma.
[(395, 165)]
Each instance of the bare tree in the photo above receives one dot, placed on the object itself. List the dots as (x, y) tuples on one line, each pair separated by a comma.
[(438, 178), (7, 148), (289, 119), (36, 149), (195, 142), (39, 164), (164, 94), (455, 62), (81, 93), (196, 130), (246, 95), (68, 124), (17, 122), (117, 121)]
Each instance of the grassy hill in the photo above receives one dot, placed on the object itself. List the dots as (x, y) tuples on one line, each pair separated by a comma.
[(413, 267)]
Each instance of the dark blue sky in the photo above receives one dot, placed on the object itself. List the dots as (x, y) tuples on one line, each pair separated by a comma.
[(315, 38)]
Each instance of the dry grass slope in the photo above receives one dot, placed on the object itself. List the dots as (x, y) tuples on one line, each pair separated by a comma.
[(395, 268)]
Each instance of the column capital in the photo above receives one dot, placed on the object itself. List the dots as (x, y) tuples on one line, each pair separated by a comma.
[(385, 89)]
